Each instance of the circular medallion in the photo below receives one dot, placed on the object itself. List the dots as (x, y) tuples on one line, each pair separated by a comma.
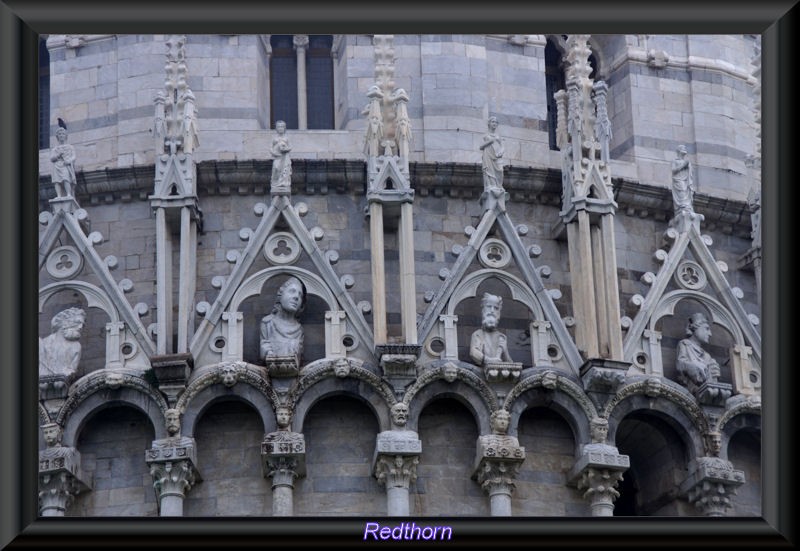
[(690, 275), (64, 262), (282, 248), (494, 254)]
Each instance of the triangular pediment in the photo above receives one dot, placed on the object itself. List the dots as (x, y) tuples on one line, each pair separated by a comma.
[(68, 260), (689, 272), (496, 255), (281, 237)]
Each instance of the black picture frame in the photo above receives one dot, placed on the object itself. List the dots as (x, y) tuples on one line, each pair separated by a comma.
[(21, 22)]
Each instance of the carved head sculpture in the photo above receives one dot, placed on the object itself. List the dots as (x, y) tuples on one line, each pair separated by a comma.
[(229, 375), (399, 413), (698, 327), (450, 372), (500, 421), (172, 419), (491, 306), (280, 127), (341, 368), (681, 151), (492, 123), (283, 415), (69, 323), (291, 297), (599, 428), (61, 135), (714, 443), (52, 434)]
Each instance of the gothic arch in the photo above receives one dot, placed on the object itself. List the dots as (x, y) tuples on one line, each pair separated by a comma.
[(520, 292), (253, 285), (95, 297)]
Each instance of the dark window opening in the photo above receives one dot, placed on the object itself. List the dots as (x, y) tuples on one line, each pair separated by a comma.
[(554, 81), (319, 82)]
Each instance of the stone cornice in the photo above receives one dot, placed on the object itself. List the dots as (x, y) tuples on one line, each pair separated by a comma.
[(452, 180)]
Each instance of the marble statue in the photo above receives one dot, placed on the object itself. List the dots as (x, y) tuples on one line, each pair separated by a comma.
[(60, 352), (493, 151), (172, 422), (52, 436), (281, 163), (695, 365), (281, 333), (682, 182), (63, 159), (488, 345)]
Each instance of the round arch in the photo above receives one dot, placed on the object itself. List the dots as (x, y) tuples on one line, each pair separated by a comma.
[(214, 393), (458, 390), (107, 398), (349, 387)]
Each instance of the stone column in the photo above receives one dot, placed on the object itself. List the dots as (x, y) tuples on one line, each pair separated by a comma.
[(300, 45), (172, 465), (60, 480), (395, 466), (711, 485), (597, 473), (497, 463), (283, 454)]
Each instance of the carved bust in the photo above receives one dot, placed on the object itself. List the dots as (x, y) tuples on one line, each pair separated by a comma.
[(695, 365), (172, 422), (682, 182), (488, 345), (281, 333), (60, 352)]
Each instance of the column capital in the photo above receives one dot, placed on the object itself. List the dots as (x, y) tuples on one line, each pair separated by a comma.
[(597, 473), (396, 470), (283, 455), (711, 485), (60, 479), (497, 463), (172, 462), (300, 41), (396, 458)]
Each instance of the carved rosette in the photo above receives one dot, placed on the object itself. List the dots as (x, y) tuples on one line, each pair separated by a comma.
[(60, 480), (710, 487)]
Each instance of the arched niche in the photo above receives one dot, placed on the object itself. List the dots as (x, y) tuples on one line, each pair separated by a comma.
[(350, 387), (241, 391), (105, 398), (459, 391)]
